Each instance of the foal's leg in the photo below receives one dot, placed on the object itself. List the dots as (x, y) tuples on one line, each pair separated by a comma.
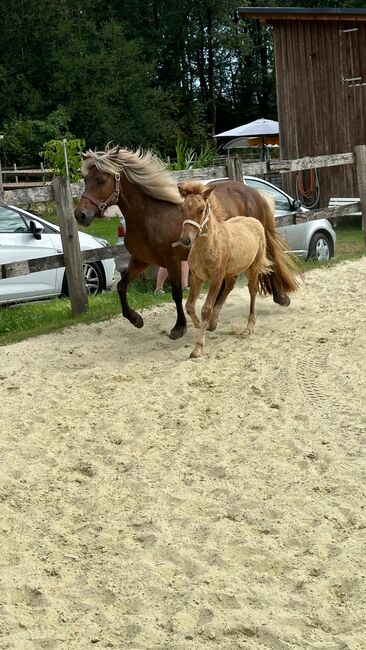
[(223, 294), (180, 327), (252, 275), (135, 268), (194, 292), (206, 313)]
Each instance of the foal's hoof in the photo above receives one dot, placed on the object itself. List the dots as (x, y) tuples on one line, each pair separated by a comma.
[(177, 333), (195, 354), (283, 300)]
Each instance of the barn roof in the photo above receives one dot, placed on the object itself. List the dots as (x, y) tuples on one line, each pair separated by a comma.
[(272, 14)]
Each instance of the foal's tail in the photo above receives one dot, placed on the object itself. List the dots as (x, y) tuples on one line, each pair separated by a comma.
[(284, 268)]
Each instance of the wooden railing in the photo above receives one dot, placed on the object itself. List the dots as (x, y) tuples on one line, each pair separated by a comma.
[(21, 177)]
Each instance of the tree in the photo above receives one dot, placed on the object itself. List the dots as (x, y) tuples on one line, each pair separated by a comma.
[(25, 137)]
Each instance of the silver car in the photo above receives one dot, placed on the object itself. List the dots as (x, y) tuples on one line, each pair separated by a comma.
[(25, 236), (314, 239)]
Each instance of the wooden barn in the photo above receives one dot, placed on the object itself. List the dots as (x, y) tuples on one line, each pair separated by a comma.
[(320, 58)]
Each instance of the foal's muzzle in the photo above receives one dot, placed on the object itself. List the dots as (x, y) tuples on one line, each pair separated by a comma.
[(186, 241)]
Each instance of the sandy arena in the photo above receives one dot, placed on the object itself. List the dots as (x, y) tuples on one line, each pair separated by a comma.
[(151, 501)]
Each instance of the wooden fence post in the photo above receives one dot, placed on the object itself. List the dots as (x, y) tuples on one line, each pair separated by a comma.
[(70, 244), (1, 185), (360, 156), (234, 168)]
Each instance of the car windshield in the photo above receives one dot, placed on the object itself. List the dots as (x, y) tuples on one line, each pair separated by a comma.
[(11, 221), (281, 201)]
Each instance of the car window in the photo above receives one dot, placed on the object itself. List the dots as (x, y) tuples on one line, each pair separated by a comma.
[(281, 201), (11, 221)]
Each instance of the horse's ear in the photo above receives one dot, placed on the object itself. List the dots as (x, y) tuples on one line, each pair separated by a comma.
[(206, 193), (84, 155), (182, 189)]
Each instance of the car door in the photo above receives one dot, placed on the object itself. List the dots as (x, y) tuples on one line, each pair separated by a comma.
[(17, 243), (293, 234)]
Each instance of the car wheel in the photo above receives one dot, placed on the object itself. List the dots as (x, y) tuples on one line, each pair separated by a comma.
[(93, 280), (320, 247)]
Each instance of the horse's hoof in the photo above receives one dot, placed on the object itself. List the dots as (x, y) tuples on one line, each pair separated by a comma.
[(137, 321), (283, 300), (211, 327), (177, 333)]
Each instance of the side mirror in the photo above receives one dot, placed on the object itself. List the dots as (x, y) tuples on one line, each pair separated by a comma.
[(296, 204), (36, 229)]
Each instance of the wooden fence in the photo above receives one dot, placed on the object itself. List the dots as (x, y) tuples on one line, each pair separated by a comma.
[(23, 177), (72, 258)]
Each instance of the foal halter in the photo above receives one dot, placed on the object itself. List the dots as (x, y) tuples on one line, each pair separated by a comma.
[(111, 200), (198, 225)]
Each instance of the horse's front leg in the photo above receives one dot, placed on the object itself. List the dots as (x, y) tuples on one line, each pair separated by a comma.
[(206, 314), (194, 292), (135, 268), (180, 327)]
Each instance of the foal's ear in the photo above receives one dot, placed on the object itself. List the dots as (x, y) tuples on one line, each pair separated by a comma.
[(206, 193), (182, 189)]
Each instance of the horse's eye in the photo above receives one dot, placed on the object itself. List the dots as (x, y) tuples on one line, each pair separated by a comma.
[(100, 180)]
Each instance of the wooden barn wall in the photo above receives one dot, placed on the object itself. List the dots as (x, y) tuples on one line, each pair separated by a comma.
[(320, 112)]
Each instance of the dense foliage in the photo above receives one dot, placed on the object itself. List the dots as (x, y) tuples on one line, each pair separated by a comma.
[(137, 72)]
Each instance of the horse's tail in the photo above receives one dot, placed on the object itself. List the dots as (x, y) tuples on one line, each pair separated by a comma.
[(284, 267)]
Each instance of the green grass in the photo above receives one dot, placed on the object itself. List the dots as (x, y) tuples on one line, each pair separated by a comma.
[(29, 320), (107, 229)]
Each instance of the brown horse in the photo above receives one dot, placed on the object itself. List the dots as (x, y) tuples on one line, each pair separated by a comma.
[(151, 202), (219, 250)]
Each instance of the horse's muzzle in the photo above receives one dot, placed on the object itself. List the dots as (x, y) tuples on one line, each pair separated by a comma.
[(83, 216)]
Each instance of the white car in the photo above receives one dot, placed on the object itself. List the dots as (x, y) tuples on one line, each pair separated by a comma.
[(24, 236)]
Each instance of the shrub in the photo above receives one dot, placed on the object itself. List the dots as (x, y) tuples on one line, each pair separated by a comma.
[(54, 157)]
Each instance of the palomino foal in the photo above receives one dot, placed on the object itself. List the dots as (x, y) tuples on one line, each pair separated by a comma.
[(219, 250)]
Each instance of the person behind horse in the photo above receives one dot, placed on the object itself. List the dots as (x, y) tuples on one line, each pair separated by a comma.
[(163, 274)]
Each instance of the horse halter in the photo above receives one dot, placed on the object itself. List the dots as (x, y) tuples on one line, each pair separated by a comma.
[(200, 226), (111, 200)]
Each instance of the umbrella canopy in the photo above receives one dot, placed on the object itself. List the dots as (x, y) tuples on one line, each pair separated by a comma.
[(259, 127), (241, 143)]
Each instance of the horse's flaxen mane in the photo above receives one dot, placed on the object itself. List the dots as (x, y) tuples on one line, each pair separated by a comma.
[(142, 168)]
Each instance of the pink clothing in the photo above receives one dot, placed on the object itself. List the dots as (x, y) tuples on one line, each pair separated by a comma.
[(163, 275)]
